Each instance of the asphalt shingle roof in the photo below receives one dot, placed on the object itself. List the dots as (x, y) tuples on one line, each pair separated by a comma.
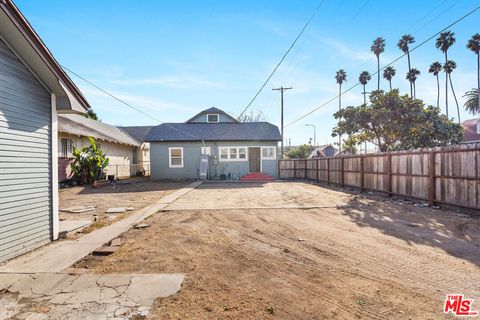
[(239, 131), (139, 133), (78, 125)]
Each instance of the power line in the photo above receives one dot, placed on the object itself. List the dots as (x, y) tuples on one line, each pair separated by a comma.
[(283, 57), (381, 69), (128, 104)]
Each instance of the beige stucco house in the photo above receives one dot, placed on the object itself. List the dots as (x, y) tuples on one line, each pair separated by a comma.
[(120, 147)]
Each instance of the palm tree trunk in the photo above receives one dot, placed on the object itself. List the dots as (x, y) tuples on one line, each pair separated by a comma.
[(438, 92), (414, 91), (340, 109), (446, 85), (364, 95), (456, 101), (378, 72), (390, 82), (409, 68), (478, 78)]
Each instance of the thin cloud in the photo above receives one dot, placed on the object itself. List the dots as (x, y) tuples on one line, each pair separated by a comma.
[(172, 82)]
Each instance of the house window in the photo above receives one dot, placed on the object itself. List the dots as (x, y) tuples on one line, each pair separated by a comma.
[(213, 118), (223, 153), (67, 147), (268, 153), (242, 153), (206, 150), (175, 157), (233, 154)]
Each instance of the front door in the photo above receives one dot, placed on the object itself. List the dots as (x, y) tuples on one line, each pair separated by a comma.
[(254, 159)]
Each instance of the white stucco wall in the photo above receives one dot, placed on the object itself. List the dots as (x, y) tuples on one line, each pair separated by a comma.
[(120, 155)]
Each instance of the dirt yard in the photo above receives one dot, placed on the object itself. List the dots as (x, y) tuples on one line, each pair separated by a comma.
[(349, 257), (135, 192)]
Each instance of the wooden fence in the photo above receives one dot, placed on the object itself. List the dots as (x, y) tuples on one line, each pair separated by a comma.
[(446, 175)]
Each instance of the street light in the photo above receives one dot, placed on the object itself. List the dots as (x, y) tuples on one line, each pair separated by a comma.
[(314, 134)]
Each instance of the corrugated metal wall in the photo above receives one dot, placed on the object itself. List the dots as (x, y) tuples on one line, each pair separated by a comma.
[(25, 158)]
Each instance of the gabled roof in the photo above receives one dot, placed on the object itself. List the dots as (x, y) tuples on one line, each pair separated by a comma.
[(78, 125), (233, 131), (20, 36), (212, 110), (138, 133)]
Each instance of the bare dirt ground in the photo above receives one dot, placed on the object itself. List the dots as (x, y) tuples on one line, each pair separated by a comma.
[(369, 258), (134, 192)]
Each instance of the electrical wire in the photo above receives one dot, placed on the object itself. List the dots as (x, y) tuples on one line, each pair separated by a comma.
[(127, 104), (385, 66), (283, 58)]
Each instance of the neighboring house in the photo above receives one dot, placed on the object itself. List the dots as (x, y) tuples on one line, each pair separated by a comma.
[(33, 87), (323, 151), (471, 129), (233, 148), (139, 133), (120, 148)]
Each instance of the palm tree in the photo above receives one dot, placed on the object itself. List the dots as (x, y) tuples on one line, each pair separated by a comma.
[(341, 76), (435, 69), (474, 45), (388, 73), (377, 48), (412, 77), (403, 44), (444, 42), (363, 79), (448, 68), (472, 104)]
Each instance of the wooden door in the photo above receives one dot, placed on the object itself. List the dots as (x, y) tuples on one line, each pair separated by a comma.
[(254, 159)]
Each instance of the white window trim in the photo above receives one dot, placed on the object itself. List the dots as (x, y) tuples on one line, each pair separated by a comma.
[(170, 165), (213, 114), (269, 158), (478, 127), (228, 154)]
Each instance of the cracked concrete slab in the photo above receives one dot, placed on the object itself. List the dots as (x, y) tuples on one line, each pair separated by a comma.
[(60, 255), (111, 296)]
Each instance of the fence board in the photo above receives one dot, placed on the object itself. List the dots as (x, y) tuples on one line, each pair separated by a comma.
[(448, 175)]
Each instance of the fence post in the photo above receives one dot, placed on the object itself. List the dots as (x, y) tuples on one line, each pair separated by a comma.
[(328, 170), (278, 168), (342, 172), (305, 168), (431, 178), (295, 168), (362, 174), (389, 173), (316, 169)]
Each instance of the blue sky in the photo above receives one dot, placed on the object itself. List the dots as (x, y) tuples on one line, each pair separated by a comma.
[(176, 58)]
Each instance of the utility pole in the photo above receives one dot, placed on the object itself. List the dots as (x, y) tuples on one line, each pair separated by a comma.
[(314, 134), (281, 89)]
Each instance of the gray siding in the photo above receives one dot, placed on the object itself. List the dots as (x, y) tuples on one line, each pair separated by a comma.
[(159, 160), (203, 118), (25, 159)]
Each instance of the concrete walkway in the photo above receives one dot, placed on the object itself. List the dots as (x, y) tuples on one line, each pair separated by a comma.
[(58, 256)]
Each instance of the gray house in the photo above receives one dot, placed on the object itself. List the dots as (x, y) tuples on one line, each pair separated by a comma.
[(216, 141), (33, 87)]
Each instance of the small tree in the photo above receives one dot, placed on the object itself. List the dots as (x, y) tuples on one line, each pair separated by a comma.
[(90, 114), (395, 122), (302, 151), (253, 116), (89, 164)]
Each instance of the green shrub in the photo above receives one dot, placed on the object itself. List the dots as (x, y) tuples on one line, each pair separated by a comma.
[(89, 164)]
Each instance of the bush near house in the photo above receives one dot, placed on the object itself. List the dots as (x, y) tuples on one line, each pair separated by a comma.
[(89, 164), (302, 151)]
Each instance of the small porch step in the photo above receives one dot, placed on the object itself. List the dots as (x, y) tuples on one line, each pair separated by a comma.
[(256, 176)]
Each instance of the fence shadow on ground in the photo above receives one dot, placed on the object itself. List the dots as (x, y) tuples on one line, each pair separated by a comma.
[(455, 233)]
